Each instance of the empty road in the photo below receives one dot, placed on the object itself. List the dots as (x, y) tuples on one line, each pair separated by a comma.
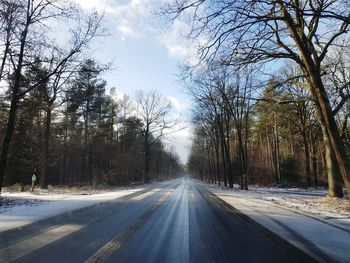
[(178, 221)]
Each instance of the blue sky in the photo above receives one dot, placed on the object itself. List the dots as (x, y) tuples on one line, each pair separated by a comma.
[(146, 53)]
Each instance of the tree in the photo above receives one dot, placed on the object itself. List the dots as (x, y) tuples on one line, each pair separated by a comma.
[(8, 12), (131, 141), (245, 32), (154, 112), (31, 40), (86, 99)]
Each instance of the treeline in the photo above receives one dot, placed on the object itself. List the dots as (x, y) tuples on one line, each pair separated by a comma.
[(59, 118), (273, 139), (271, 89)]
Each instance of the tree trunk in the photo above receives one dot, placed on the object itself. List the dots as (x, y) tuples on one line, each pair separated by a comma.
[(333, 173), (291, 143), (14, 105), (227, 150), (223, 151), (331, 130), (224, 163), (277, 152), (147, 178), (47, 135), (217, 162), (7, 139), (314, 160), (90, 162), (63, 177), (241, 153), (9, 28), (307, 158), (86, 139), (4, 58), (312, 69), (246, 150), (271, 164), (210, 166)]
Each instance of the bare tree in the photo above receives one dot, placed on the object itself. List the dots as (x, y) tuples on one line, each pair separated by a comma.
[(209, 89), (244, 32), (50, 93), (155, 113), (8, 13), (32, 41)]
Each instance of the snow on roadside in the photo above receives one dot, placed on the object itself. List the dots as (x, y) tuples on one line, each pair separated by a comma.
[(313, 201), (8, 203), (324, 207), (318, 225), (29, 207)]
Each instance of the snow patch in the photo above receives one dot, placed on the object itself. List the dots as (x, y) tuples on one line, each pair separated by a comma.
[(26, 207), (304, 217)]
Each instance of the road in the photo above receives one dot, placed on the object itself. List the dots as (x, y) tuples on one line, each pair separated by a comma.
[(178, 221)]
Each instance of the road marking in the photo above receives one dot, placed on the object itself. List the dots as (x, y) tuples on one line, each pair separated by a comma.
[(112, 246), (144, 195), (24, 247)]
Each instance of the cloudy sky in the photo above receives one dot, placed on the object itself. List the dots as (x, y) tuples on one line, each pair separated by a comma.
[(146, 53)]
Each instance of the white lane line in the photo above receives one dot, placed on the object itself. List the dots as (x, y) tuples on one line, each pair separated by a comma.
[(24, 247)]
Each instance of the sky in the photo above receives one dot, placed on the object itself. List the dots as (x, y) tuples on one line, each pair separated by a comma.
[(146, 53)]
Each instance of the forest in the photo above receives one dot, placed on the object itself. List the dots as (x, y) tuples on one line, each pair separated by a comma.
[(59, 118), (175, 131), (270, 84), (270, 88)]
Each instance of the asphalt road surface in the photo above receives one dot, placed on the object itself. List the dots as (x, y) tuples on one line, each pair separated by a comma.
[(178, 221)]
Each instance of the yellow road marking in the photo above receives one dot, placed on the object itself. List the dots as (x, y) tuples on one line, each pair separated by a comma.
[(144, 195), (112, 246), (26, 246)]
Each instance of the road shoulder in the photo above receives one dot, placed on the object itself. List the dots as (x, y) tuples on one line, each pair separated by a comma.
[(54, 205), (313, 235)]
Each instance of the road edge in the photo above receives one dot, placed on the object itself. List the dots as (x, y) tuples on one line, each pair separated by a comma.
[(289, 246), (54, 220)]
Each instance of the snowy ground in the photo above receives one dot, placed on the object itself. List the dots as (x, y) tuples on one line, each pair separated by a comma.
[(21, 208), (306, 218), (311, 201)]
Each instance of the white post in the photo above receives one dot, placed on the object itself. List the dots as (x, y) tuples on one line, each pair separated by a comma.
[(33, 181)]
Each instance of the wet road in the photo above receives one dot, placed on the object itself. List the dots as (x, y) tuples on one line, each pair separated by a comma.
[(179, 221)]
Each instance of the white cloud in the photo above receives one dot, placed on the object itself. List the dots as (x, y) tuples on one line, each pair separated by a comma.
[(179, 45), (100, 5), (126, 31), (132, 18), (128, 17), (175, 102), (135, 19), (174, 40)]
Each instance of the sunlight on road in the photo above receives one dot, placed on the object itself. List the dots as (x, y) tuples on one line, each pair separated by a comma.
[(140, 197), (26, 246)]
